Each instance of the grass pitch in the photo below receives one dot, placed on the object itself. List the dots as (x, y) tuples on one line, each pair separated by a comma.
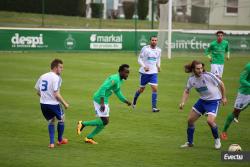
[(137, 138)]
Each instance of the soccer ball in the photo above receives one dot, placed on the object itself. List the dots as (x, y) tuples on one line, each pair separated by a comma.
[(234, 148)]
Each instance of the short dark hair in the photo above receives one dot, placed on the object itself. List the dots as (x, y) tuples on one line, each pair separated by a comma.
[(220, 32), (153, 36), (55, 63), (122, 67), (191, 66)]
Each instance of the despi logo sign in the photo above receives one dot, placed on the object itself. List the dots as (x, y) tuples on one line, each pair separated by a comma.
[(19, 41)]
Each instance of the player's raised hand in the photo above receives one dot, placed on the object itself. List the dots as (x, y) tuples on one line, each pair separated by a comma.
[(181, 106)]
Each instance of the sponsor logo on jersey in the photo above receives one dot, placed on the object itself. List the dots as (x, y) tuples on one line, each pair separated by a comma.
[(201, 89), (151, 58)]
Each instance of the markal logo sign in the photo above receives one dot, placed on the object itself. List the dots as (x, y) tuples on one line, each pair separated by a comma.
[(106, 41), (93, 38), (19, 41)]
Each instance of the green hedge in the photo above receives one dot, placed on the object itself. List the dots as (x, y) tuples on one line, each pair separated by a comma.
[(96, 10), (33, 6), (162, 1), (128, 9), (142, 7), (60, 7)]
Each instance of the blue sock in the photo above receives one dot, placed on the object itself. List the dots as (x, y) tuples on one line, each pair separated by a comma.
[(215, 132), (154, 99), (137, 94), (190, 134), (60, 130), (51, 128)]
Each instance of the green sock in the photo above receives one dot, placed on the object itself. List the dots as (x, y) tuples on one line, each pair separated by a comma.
[(96, 122), (229, 120), (99, 127), (97, 130)]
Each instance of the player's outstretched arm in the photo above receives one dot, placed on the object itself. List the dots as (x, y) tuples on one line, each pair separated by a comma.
[(128, 103), (61, 99), (184, 99), (120, 96)]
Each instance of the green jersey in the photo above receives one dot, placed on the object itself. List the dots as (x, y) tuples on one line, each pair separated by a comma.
[(245, 80), (110, 85), (217, 51)]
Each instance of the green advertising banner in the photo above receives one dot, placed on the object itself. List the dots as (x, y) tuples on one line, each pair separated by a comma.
[(24, 40), (127, 40), (198, 41)]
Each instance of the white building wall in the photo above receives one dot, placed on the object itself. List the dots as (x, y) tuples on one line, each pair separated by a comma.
[(218, 15)]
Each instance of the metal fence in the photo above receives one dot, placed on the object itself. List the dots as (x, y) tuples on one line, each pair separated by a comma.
[(124, 14)]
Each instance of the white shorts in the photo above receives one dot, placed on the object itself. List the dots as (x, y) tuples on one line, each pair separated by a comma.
[(242, 101), (105, 113), (217, 69)]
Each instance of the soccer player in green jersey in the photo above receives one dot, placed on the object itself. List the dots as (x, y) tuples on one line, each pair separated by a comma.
[(216, 53), (241, 102), (101, 97)]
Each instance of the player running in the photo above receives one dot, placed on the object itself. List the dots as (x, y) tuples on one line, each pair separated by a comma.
[(48, 88), (242, 100), (101, 104), (216, 53), (150, 61), (212, 91)]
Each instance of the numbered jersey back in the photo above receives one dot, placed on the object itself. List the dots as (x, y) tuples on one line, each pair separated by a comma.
[(47, 85)]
